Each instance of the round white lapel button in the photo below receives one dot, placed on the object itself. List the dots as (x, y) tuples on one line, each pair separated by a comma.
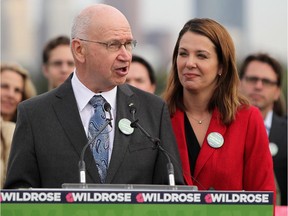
[(124, 126), (215, 140)]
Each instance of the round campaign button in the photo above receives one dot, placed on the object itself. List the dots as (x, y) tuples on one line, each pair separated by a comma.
[(273, 148), (215, 140), (124, 126)]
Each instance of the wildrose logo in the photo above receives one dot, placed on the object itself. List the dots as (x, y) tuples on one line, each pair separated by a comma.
[(30, 197), (98, 197), (236, 198), (168, 197)]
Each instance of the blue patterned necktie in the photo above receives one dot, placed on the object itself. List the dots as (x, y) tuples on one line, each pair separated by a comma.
[(100, 146)]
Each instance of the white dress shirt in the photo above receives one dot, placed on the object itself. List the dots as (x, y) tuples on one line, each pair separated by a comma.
[(86, 110), (268, 121)]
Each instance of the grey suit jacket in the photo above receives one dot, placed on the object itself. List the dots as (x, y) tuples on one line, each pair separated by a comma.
[(49, 138), (278, 136)]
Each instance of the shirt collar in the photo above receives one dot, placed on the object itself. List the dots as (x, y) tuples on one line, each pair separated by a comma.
[(268, 120), (83, 94)]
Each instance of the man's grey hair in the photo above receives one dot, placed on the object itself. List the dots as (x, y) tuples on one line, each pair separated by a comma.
[(80, 25)]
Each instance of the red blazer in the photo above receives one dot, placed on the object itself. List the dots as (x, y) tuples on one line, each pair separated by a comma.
[(243, 162)]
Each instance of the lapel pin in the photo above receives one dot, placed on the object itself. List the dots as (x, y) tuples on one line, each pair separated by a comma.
[(124, 126), (273, 148), (215, 140)]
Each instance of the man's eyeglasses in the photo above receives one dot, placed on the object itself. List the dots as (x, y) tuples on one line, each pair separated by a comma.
[(265, 82), (58, 64), (115, 45)]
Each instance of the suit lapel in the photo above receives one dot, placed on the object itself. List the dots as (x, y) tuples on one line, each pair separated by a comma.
[(179, 132), (275, 128), (68, 115), (121, 141), (207, 151)]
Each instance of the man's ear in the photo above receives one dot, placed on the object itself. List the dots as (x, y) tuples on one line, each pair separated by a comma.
[(78, 50), (277, 94), (45, 70), (153, 88)]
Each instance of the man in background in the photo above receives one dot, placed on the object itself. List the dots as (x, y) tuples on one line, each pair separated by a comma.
[(261, 77), (58, 61), (141, 75)]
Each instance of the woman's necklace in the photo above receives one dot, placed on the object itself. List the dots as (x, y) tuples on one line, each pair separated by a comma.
[(199, 121)]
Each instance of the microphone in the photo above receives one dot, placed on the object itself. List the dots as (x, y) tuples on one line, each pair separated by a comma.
[(170, 168), (107, 108), (156, 142), (81, 164)]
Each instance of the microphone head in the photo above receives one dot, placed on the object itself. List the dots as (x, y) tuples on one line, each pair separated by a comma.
[(107, 107), (132, 108)]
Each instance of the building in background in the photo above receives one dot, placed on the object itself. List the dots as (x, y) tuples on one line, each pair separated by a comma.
[(231, 14), (255, 25)]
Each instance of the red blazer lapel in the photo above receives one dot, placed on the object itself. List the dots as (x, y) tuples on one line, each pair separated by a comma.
[(179, 131), (206, 150)]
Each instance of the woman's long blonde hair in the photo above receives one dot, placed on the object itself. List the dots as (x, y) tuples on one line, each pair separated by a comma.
[(29, 88)]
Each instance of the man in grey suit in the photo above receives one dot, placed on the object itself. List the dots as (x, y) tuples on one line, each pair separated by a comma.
[(52, 128), (261, 77)]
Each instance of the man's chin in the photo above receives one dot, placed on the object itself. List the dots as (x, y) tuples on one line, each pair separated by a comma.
[(259, 107)]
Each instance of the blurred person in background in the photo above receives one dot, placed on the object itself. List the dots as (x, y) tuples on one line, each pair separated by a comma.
[(58, 62), (221, 138), (261, 80), (16, 86), (141, 75), (7, 129)]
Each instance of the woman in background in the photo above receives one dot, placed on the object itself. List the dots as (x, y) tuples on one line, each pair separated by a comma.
[(16, 86)]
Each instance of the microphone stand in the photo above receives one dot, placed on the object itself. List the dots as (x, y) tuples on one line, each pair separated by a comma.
[(156, 142)]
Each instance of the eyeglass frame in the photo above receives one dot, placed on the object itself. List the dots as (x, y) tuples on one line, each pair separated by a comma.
[(59, 63), (109, 43), (265, 82)]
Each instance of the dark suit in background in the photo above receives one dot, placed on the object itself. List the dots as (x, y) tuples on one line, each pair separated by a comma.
[(278, 136), (49, 138)]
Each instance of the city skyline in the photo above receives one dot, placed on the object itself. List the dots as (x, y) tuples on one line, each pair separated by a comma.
[(28, 24)]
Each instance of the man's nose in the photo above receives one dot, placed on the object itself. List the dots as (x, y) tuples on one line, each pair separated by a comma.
[(124, 54)]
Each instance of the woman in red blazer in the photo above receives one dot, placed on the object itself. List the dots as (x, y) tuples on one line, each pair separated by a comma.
[(221, 138)]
